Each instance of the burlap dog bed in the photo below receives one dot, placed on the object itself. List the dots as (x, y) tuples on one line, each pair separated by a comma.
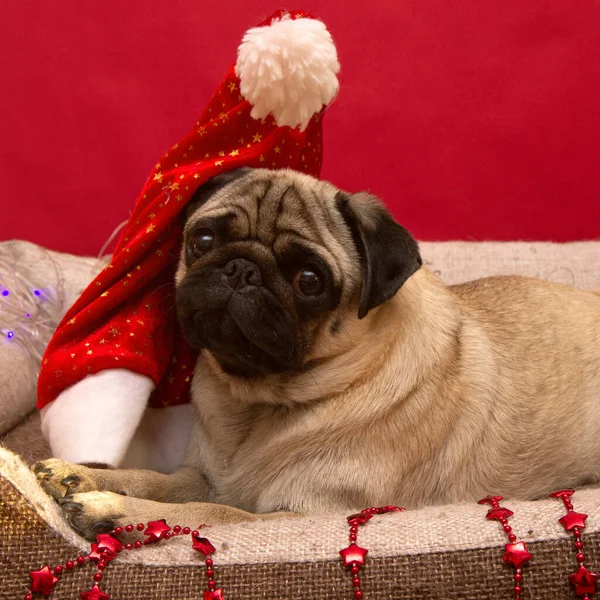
[(438, 552)]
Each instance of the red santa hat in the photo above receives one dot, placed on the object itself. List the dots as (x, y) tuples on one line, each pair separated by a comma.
[(119, 348)]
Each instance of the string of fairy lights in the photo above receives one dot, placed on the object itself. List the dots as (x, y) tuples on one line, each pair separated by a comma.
[(30, 313)]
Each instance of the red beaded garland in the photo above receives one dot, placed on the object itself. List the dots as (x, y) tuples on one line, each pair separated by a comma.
[(204, 546), (354, 556), (106, 548), (516, 553), (584, 582)]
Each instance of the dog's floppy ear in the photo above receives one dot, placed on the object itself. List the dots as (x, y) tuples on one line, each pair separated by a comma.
[(213, 185), (389, 253)]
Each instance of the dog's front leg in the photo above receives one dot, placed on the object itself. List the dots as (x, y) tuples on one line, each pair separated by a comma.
[(91, 513), (60, 479)]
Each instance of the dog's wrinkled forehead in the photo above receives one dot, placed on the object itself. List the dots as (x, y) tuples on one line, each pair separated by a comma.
[(276, 209)]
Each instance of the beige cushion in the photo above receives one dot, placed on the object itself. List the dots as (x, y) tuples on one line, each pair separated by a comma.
[(446, 552), (43, 268), (576, 263)]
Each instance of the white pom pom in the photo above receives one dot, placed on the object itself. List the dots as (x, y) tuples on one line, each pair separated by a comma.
[(288, 69)]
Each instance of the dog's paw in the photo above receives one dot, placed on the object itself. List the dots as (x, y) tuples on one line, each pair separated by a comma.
[(92, 513), (59, 478)]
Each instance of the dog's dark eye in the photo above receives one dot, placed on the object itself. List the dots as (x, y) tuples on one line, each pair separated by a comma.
[(309, 282), (201, 242)]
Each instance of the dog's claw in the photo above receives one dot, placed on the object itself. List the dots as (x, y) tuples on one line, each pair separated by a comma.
[(68, 505), (41, 470), (103, 527), (72, 507), (71, 481)]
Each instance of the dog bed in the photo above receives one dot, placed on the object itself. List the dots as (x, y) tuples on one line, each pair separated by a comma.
[(443, 552)]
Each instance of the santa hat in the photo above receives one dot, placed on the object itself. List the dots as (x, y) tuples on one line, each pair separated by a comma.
[(119, 348)]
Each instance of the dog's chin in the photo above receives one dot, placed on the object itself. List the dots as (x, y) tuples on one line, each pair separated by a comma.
[(248, 331), (247, 366), (236, 354)]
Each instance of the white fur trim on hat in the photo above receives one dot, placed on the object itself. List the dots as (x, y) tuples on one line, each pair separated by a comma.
[(96, 419), (288, 69)]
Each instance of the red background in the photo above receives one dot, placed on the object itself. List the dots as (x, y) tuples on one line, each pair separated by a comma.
[(472, 119)]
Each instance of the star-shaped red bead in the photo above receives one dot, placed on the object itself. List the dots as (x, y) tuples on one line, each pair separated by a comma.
[(499, 513), (490, 499), (584, 581), (359, 518), (94, 594), (43, 581), (156, 530), (561, 494), (573, 520), (97, 555), (516, 555), (107, 541), (203, 545), (354, 555), (214, 595)]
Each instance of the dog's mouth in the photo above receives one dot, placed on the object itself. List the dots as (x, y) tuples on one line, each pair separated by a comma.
[(238, 354), (250, 335)]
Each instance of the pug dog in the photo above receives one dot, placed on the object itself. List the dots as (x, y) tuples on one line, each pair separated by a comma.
[(336, 372)]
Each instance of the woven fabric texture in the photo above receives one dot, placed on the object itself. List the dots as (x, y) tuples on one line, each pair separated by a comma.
[(575, 263), (439, 552), (28, 542)]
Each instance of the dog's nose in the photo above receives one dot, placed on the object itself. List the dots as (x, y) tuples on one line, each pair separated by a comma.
[(240, 273)]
